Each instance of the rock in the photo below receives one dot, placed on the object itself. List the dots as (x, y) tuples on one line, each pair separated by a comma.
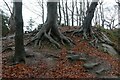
[(109, 49), (99, 71), (83, 59), (91, 65), (73, 57), (112, 77)]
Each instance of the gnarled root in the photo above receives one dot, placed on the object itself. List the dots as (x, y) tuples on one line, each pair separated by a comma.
[(51, 34), (96, 36), (82, 32)]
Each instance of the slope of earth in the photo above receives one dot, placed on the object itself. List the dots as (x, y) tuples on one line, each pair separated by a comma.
[(54, 63)]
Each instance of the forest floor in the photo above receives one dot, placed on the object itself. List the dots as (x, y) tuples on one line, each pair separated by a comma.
[(49, 62)]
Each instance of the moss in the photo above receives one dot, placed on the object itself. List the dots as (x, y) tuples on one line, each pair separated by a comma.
[(113, 35)]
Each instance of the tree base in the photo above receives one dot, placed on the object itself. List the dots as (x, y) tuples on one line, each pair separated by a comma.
[(17, 60), (96, 38), (53, 35), (83, 32), (21, 58)]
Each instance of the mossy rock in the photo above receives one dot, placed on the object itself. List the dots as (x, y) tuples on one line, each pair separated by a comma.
[(90, 65)]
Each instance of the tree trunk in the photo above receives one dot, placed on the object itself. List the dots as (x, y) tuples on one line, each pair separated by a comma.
[(119, 13), (87, 5), (42, 12), (83, 10), (60, 17), (19, 55), (80, 16), (72, 13), (63, 12), (102, 14), (96, 17), (87, 21), (11, 23), (50, 30), (86, 27), (77, 13), (67, 18)]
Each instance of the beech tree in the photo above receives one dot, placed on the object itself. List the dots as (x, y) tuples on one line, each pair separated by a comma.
[(60, 16), (86, 27), (11, 21), (4, 21), (11, 24), (50, 30), (102, 13), (77, 12), (42, 12), (63, 10), (81, 12), (72, 13), (118, 2), (19, 55), (67, 16)]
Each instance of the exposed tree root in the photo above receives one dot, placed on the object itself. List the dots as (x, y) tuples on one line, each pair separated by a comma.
[(51, 40), (96, 38), (53, 35), (96, 35), (86, 34), (49, 30)]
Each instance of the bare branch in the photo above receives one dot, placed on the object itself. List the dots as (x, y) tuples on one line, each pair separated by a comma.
[(8, 7)]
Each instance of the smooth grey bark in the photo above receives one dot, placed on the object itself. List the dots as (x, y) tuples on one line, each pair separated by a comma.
[(87, 5), (86, 27), (83, 10), (11, 24), (96, 17), (80, 16), (87, 21), (19, 55), (42, 12), (50, 30), (102, 14), (60, 16)]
